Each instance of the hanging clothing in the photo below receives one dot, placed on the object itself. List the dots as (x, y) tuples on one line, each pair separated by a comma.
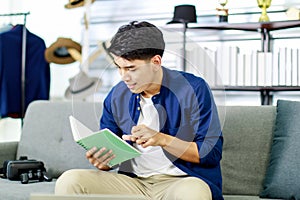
[(37, 71)]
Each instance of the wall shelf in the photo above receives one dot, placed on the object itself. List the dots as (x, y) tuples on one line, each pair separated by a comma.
[(266, 93), (264, 28)]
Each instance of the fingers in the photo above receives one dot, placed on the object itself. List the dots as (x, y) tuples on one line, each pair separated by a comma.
[(141, 141), (90, 152), (100, 158), (143, 135), (102, 161), (133, 139), (139, 132), (136, 129), (127, 137), (147, 143)]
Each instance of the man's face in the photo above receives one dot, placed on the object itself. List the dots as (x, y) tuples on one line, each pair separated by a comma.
[(138, 75)]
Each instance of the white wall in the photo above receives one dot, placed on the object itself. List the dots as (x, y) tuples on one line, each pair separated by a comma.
[(50, 20)]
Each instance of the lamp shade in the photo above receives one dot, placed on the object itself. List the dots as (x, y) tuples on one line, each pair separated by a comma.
[(184, 14)]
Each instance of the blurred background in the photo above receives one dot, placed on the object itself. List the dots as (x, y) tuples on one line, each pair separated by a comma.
[(93, 24)]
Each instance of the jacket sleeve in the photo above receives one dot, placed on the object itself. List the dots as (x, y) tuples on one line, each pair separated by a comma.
[(206, 122), (107, 119)]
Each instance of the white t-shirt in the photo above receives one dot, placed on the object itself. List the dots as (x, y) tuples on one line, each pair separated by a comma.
[(153, 160)]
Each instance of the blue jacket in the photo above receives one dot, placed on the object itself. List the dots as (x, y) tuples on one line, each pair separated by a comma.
[(37, 71), (186, 105)]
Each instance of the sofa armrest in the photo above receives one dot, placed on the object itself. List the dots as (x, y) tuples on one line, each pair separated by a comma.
[(8, 151)]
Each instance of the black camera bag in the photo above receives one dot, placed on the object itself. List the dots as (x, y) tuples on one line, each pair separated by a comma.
[(25, 170)]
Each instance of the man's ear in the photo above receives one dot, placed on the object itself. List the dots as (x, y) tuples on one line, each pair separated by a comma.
[(156, 60)]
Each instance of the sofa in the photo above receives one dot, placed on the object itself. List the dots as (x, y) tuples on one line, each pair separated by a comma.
[(46, 136)]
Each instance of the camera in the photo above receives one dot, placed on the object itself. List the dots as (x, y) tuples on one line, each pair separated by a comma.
[(25, 170), (37, 175)]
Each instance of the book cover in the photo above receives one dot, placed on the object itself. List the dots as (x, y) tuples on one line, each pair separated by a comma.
[(282, 66), (288, 67), (264, 68), (275, 76), (241, 70), (234, 51), (254, 68), (298, 67), (269, 68), (209, 60), (294, 64), (223, 65), (248, 69), (219, 72), (102, 138)]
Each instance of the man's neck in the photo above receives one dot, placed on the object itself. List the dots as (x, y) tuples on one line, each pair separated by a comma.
[(154, 88)]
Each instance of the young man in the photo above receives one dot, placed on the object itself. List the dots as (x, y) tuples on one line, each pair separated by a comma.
[(170, 116)]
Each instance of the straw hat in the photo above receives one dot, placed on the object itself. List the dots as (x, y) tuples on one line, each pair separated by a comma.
[(75, 4), (184, 14), (63, 51), (82, 86)]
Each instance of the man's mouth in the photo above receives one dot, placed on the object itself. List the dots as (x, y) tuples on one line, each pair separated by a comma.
[(131, 86)]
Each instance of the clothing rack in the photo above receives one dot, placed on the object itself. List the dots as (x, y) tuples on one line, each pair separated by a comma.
[(23, 63)]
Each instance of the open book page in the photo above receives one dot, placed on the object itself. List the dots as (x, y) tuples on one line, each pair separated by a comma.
[(78, 129), (103, 138)]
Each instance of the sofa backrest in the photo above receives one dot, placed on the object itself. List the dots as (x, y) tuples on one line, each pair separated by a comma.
[(46, 134), (247, 131), (247, 135)]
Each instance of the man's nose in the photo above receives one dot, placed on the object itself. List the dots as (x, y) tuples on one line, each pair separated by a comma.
[(124, 74)]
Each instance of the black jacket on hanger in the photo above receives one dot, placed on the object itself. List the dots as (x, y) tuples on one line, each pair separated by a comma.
[(37, 71)]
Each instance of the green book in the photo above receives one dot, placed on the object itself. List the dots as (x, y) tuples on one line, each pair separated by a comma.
[(103, 138)]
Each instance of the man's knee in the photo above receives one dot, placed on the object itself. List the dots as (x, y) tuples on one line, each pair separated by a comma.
[(70, 182), (83, 181), (190, 188)]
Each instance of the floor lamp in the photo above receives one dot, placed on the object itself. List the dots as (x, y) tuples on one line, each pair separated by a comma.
[(184, 14)]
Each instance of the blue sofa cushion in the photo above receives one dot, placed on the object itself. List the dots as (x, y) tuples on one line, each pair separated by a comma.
[(247, 143), (282, 178)]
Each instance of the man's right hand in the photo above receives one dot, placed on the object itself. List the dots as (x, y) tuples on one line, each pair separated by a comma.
[(99, 158)]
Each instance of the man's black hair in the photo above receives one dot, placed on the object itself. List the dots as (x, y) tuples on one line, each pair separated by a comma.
[(137, 40)]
